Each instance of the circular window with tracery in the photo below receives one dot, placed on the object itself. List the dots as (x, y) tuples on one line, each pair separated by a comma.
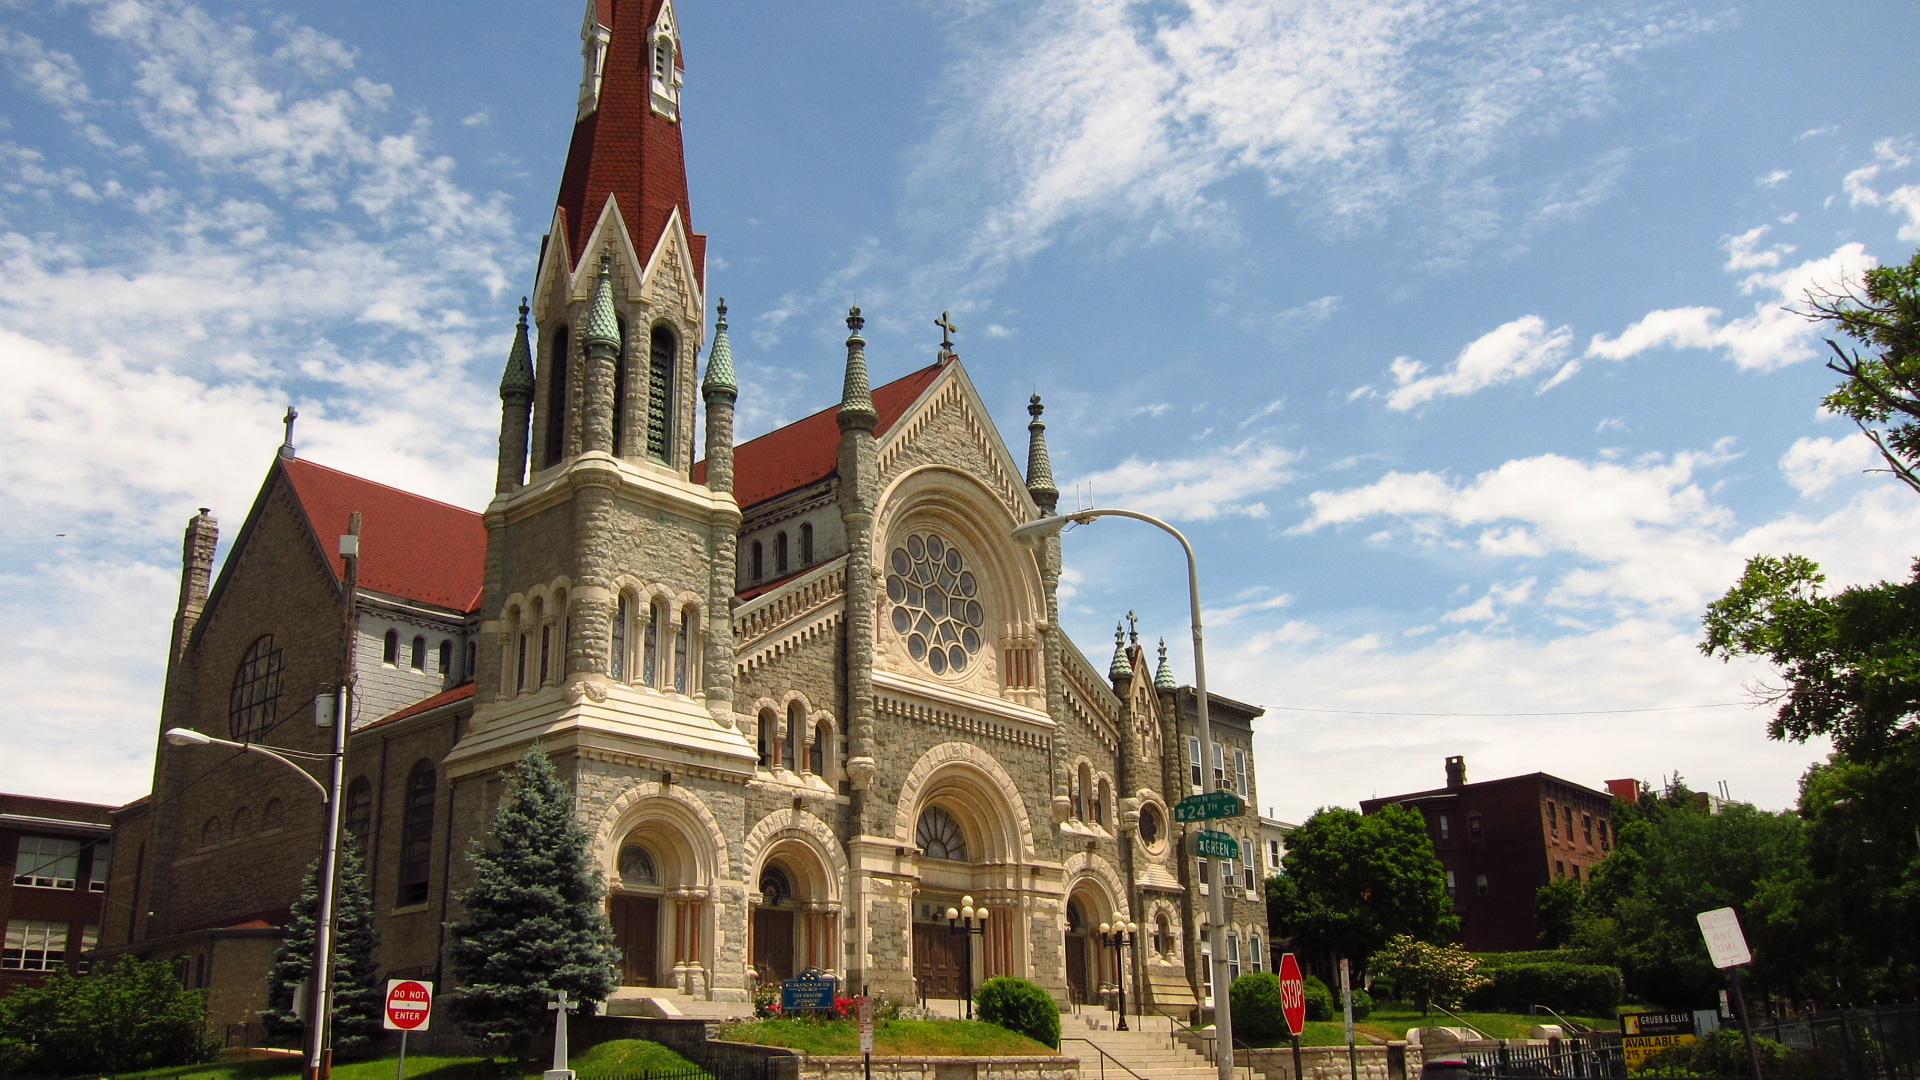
[(936, 605)]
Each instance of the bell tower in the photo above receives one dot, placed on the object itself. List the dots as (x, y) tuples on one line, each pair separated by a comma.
[(601, 625)]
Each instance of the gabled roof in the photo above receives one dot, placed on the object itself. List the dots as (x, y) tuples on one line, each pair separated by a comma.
[(808, 451), (625, 149), (444, 697), (411, 547)]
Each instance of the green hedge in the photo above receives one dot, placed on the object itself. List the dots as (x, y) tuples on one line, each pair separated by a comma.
[(1323, 1003), (1258, 1018), (1487, 961), (1020, 1006), (1573, 989)]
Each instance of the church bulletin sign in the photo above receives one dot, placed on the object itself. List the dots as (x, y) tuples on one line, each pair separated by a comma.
[(1643, 1033), (808, 990)]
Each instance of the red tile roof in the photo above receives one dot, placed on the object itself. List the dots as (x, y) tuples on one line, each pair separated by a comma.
[(411, 547), (444, 697), (625, 149), (808, 451)]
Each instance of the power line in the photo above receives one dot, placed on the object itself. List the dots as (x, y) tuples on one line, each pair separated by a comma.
[(1567, 712)]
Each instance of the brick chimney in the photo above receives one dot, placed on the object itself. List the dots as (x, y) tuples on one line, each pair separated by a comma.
[(1456, 771)]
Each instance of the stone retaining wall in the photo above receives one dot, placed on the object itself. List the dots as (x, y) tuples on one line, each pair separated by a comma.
[(853, 1067)]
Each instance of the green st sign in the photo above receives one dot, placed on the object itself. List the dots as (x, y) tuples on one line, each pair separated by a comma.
[(1217, 845), (1213, 804)]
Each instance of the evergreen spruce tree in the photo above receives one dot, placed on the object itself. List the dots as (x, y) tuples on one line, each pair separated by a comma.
[(356, 991), (534, 920)]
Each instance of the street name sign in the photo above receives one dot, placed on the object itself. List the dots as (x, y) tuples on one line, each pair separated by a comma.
[(1725, 943), (409, 1005), (1217, 845), (1293, 995), (1209, 805)]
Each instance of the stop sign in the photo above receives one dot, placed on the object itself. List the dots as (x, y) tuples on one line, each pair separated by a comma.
[(409, 1004), (1293, 994)]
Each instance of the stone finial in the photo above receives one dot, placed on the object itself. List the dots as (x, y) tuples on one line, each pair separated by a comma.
[(518, 378), (286, 443), (720, 377), (1122, 667), (1163, 677), (1039, 464), (1133, 628), (856, 396), (603, 323)]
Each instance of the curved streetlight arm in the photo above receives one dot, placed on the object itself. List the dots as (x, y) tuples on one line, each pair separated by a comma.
[(186, 737)]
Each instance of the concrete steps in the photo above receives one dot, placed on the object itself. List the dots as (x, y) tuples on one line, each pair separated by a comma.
[(661, 1003), (1147, 1049)]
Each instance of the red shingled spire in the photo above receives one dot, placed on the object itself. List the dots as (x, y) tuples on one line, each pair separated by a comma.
[(626, 142)]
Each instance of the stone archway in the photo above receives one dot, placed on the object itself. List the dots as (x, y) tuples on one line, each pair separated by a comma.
[(797, 870), (662, 851)]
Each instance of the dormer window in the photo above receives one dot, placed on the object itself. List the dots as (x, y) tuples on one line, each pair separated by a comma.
[(593, 53), (664, 77)]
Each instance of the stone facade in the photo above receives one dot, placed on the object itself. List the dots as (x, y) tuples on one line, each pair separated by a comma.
[(796, 760)]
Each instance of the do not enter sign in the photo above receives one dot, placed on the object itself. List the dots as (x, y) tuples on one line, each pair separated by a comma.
[(1293, 994), (409, 1004)]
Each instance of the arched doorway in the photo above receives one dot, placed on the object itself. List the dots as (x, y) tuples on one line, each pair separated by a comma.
[(1091, 966), (774, 947), (634, 906), (658, 897)]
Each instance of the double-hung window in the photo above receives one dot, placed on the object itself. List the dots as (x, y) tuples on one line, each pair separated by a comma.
[(34, 945), (47, 862)]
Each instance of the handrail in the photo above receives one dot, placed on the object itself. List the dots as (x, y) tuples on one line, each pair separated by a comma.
[(1564, 1022), (1463, 1022), (1104, 1056)]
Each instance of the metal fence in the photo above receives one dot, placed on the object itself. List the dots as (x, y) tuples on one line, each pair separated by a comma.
[(1588, 1057)]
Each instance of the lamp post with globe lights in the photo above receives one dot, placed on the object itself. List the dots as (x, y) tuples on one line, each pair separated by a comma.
[(1037, 530), (1119, 935), (972, 922)]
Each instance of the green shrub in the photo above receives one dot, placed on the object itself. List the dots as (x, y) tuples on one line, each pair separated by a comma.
[(1487, 961), (1258, 1018), (1319, 999), (1362, 1004), (1019, 1006), (1574, 989), (131, 1015), (1724, 1053)]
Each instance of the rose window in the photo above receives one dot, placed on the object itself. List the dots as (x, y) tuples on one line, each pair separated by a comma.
[(935, 603)]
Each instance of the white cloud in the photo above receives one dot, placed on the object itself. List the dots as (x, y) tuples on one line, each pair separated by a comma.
[(1772, 179), (1812, 465), (1903, 201), (1774, 336), (1742, 253), (1271, 408), (1226, 481), (1235, 612), (52, 75), (1515, 350), (1096, 108), (1490, 608), (1157, 409)]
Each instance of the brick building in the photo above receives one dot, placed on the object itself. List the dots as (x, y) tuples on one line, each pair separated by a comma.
[(1500, 840), (808, 690), (55, 855)]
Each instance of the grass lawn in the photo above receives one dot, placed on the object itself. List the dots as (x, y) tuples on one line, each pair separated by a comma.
[(621, 1057), (891, 1038), (1321, 1033), (1393, 1021)]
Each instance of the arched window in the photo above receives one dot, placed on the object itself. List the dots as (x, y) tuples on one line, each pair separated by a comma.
[(938, 836), (242, 823), (806, 544), (557, 397), (775, 885), (780, 553), (255, 701), (273, 816), (390, 651), (1162, 934), (211, 833), (473, 656), (446, 660), (1083, 792), (620, 389), (416, 834), (759, 561), (1101, 800), (665, 349), (1254, 955), (546, 653), (617, 658), (935, 603), (796, 726), (656, 630), (637, 867), (1076, 919), (520, 660), (817, 757), (417, 660), (359, 808), (683, 648), (764, 739)]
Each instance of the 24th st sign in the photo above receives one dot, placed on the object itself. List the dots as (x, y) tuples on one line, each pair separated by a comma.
[(1213, 804)]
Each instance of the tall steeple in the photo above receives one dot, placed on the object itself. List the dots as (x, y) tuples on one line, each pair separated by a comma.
[(516, 405), (856, 395)]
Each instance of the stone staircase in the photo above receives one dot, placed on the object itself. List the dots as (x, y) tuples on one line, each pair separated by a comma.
[(664, 1003), (1148, 1050)]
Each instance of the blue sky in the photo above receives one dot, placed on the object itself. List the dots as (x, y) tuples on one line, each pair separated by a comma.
[(1452, 332)]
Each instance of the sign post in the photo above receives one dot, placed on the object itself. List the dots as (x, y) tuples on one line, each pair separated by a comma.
[(409, 1008), (1346, 999), (1293, 1004), (1728, 948)]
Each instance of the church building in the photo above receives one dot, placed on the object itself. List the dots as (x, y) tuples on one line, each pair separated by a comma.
[(809, 692)]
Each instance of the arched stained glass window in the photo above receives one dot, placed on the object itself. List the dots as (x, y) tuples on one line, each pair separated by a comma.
[(663, 352), (617, 660), (938, 835), (255, 701), (637, 867), (416, 834), (775, 885), (359, 807), (936, 605), (556, 417)]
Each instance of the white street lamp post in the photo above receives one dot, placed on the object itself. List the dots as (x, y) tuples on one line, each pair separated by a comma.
[(1216, 888)]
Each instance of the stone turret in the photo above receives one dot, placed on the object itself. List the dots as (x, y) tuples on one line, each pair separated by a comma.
[(721, 389), (1163, 681), (196, 574), (1120, 671), (516, 410), (601, 341), (859, 487)]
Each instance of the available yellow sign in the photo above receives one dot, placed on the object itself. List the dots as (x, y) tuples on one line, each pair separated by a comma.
[(1644, 1033)]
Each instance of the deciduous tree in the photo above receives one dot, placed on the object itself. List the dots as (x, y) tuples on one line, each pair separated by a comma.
[(1350, 882), (1882, 389)]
